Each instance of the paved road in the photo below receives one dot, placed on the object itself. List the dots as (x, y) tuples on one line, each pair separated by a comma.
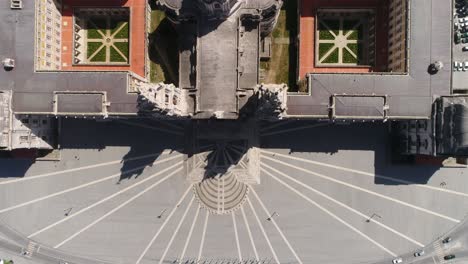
[(434, 253), (120, 194)]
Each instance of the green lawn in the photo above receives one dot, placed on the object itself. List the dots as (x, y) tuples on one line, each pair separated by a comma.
[(352, 28), (93, 47), (156, 71), (100, 56), (332, 58), (325, 34), (115, 56), (107, 26), (124, 32), (93, 33), (123, 47), (282, 66), (324, 48), (115, 25), (157, 16), (354, 48), (348, 57)]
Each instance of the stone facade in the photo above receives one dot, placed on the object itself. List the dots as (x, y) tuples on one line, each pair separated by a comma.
[(219, 58), (49, 35), (397, 35), (219, 8), (182, 10)]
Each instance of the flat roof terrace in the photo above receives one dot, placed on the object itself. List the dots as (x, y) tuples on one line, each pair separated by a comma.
[(407, 95), (33, 92)]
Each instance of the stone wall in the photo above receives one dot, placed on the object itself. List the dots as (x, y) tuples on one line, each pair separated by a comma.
[(48, 35), (397, 35)]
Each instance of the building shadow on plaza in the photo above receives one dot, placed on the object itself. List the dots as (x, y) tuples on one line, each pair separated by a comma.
[(333, 138), (294, 136), (145, 145)]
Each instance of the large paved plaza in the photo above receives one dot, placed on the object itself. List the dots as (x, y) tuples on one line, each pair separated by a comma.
[(123, 197)]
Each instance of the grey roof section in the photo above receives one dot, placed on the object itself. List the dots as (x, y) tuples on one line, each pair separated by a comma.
[(460, 80), (216, 67), (452, 129), (189, 4), (83, 103), (33, 92), (409, 96)]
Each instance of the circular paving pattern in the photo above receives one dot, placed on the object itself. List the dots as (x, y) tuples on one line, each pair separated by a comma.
[(325, 194), (221, 194)]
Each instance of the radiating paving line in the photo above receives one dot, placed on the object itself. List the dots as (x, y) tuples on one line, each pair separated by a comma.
[(189, 236), (152, 128), (202, 243), (372, 175), (211, 158), (241, 161), (365, 190), (263, 231), (205, 147), (39, 176), (84, 185), (293, 129), (176, 230), (71, 216), (339, 203), (239, 253), (268, 214), (247, 226), (236, 150), (231, 160), (277, 124), (334, 216), (239, 148), (169, 124), (229, 157), (117, 208), (163, 225)]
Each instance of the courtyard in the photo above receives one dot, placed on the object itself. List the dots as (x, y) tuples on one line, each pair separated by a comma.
[(345, 38), (103, 36), (342, 36), (111, 36)]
